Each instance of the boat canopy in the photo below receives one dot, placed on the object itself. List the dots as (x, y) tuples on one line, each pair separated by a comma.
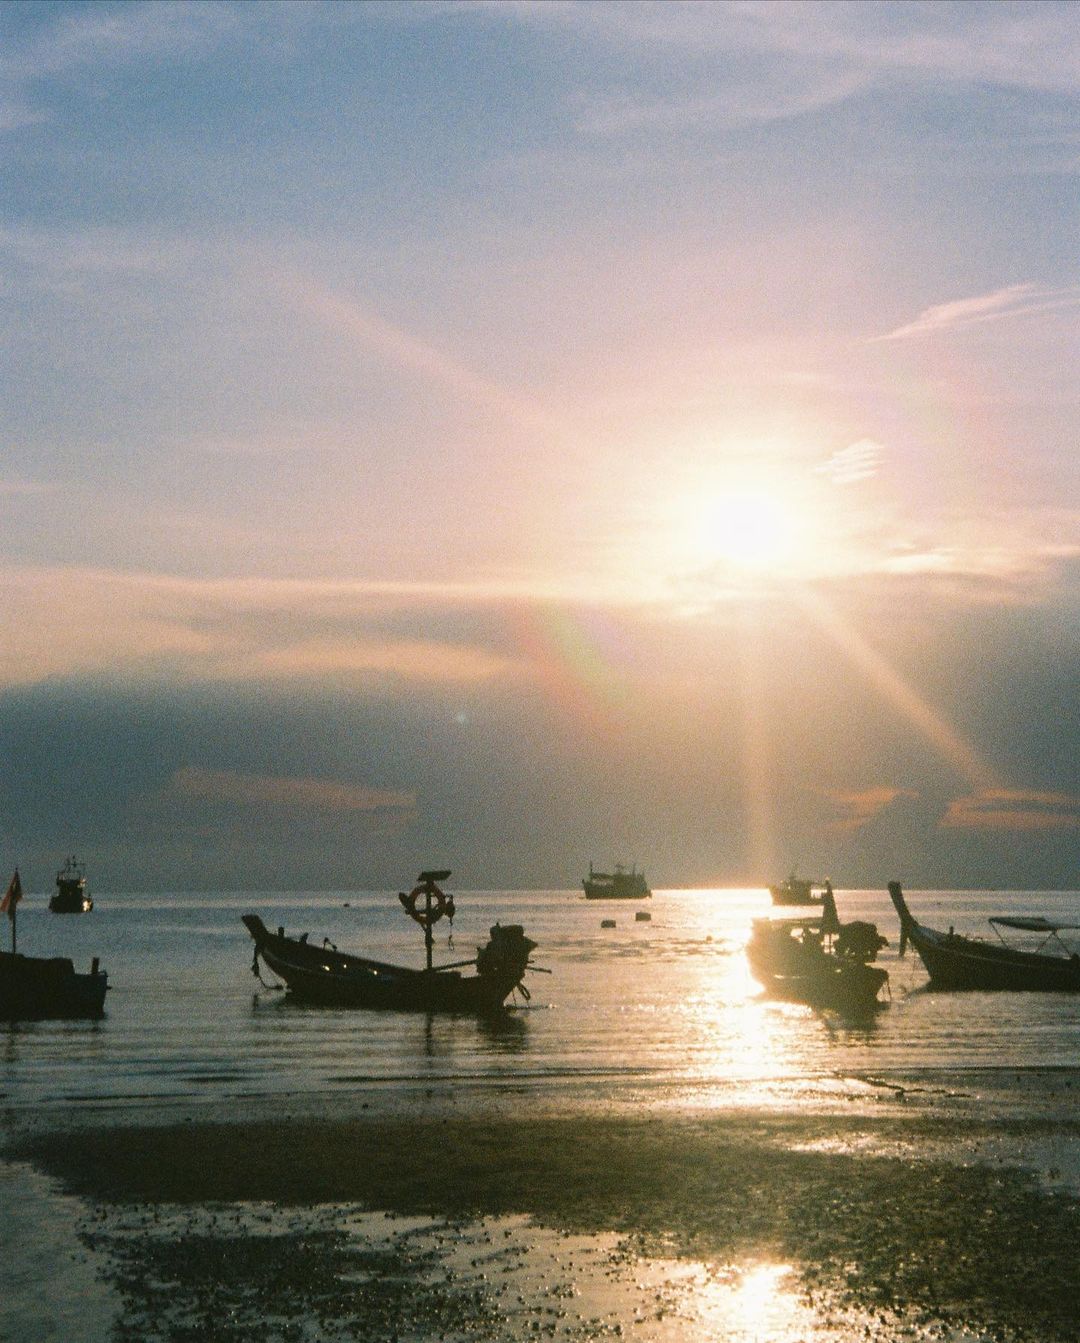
[(1036, 924), (811, 921)]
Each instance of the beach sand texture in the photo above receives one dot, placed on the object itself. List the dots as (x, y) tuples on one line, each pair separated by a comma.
[(736, 1226)]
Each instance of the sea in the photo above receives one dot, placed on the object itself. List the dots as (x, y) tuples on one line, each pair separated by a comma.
[(656, 1012), (659, 1010)]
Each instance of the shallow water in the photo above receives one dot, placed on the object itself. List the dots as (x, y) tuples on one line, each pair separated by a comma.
[(493, 1280), (663, 1011), (660, 1013)]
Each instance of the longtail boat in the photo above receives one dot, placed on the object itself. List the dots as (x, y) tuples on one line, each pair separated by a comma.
[(956, 962), (36, 988), (324, 976), (819, 960)]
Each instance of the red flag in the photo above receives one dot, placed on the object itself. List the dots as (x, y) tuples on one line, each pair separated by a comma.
[(12, 896)]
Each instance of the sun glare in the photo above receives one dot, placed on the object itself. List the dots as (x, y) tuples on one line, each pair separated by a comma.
[(748, 530), (739, 526)]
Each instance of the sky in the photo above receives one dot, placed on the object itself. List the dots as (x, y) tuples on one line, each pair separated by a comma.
[(504, 436)]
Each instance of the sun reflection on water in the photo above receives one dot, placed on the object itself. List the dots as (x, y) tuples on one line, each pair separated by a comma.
[(752, 1302), (755, 1302), (735, 1044)]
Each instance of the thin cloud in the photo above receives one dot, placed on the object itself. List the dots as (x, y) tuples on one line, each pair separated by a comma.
[(859, 807), (102, 37), (1017, 300), (738, 104), (305, 794), (242, 629), (1013, 809), (15, 114), (813, 55), (417, 659), (117, 35), (849, 465)]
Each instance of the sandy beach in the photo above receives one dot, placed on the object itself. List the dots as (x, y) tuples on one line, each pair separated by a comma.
[(907, 1223)]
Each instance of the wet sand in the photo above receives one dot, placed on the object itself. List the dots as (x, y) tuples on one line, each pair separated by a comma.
[(899, 1226)]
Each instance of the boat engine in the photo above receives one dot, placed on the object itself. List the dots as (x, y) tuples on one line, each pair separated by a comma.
[(506, 953), (860, 940)]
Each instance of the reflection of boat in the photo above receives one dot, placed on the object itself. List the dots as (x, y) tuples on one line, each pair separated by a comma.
[(795, 890), (956, 962), (36, 987), (819, 960), (330, 978), (617, 885), (71, 897)]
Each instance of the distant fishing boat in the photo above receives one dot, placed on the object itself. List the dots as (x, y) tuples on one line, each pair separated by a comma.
[(34, 988), (819, 960), (956, 962), (71, 896), (795, 890), (617, 885), (326, 977)]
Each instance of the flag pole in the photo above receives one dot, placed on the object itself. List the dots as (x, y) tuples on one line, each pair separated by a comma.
[(10, 903)]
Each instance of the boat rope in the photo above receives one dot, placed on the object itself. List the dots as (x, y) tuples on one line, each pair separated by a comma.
[(271, 988)]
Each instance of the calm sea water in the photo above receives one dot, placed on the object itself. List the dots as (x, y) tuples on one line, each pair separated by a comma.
[(664, 1010)]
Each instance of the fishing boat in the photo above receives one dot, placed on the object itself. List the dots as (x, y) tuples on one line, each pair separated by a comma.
[(956, 962), (71, 897), (326, 977), (795, 890), (36, 988), (617, 885), (819, 960)]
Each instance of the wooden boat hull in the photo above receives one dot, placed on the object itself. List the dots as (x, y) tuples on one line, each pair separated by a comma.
[(326, 977), (964, 963), (788, 970), (38, 989)]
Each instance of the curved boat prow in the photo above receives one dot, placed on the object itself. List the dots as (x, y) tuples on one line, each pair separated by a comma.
[(907, 919), (255, 927)]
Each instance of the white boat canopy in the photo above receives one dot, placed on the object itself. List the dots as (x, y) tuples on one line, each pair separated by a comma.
[(1033, 925)]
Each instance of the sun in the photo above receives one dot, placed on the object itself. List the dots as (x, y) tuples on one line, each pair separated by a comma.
[(749, 529), (746, 528)]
